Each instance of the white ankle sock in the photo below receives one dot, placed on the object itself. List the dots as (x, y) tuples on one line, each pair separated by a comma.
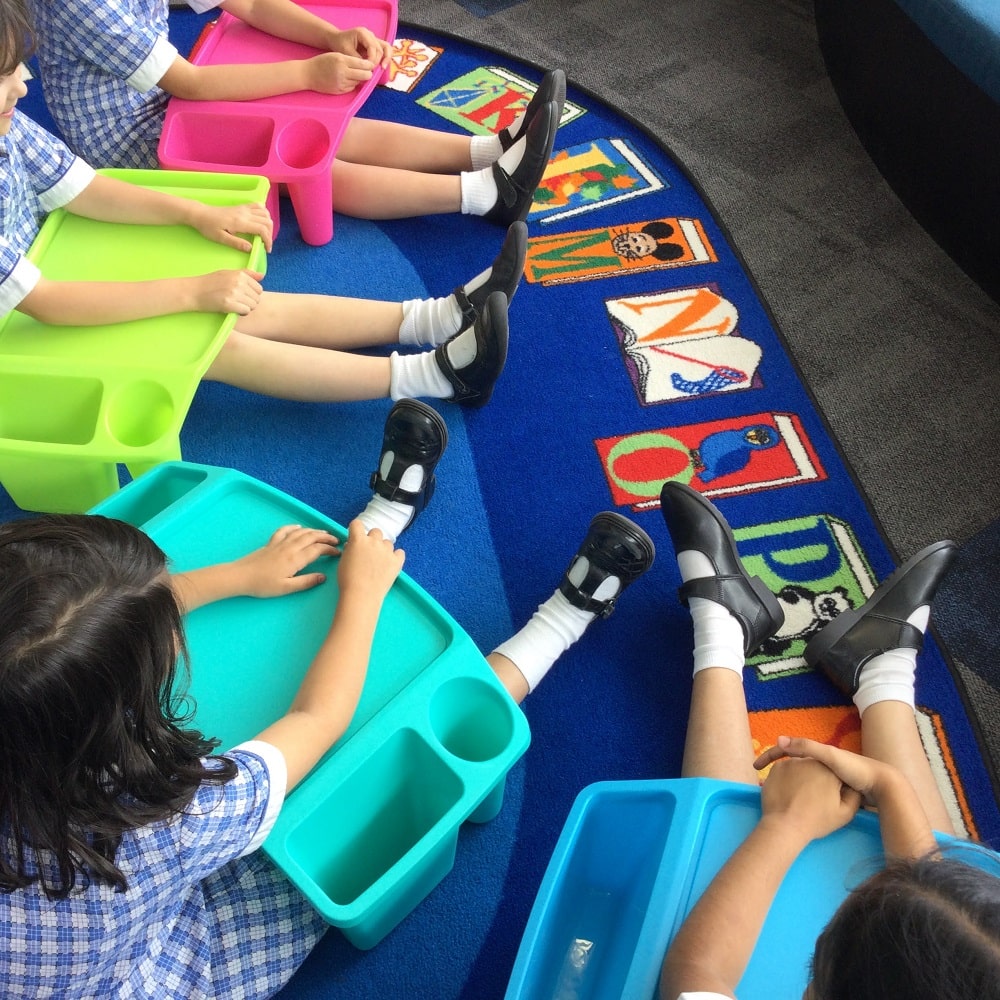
[(414, 375), (553, 628), (429, 322), (391, 516), (479, 189), (486, 149), (890, 676), (718, 635)]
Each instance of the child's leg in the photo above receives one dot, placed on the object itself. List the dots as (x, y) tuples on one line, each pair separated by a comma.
[(332, 321), (407, 147), (464, 368), (614, 553), (870, 653), (732, 614), (502, 191)]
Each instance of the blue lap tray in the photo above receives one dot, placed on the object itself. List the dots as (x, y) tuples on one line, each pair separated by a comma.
[(633, 859)]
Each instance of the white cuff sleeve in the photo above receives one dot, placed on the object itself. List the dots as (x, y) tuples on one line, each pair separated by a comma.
[(17, 285), (202, 5), (79, 175), (159, 60), (277, 771)]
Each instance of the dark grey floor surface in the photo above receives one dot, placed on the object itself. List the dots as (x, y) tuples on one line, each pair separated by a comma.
[(898, 346)]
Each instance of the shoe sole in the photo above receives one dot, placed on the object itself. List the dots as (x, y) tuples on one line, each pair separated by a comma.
[(633, 530), (428, 411), (821, 644)]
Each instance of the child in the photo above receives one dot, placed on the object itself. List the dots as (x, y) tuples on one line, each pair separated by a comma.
[(290, 346), (108, 70), (126, 851), (926, 927)]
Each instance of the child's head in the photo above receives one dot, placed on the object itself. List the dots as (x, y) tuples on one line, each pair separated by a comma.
[(15, 47), (919, 929), (15, 35), (90, 743)]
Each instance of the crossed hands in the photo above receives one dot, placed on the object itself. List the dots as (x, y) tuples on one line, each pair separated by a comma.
[(814, 787)]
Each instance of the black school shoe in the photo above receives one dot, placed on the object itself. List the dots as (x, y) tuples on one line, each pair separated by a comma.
[(552, 88), (416, 435), (613, 546), (695, 524), (505, 275), (474, 383), (516, 190), (842, 648)]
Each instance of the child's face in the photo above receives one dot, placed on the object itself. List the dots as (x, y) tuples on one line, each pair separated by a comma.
[(12, 88)]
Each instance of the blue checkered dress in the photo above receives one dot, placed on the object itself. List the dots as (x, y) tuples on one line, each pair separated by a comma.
[(100, 61), (37, 174), (202, 918)]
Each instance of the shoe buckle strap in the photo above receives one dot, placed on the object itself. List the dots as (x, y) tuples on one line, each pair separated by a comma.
[(391, 491), (583, 601), (469, 314)]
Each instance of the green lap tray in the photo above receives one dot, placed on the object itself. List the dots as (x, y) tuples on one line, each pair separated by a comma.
[(76, 401), (374, 827)]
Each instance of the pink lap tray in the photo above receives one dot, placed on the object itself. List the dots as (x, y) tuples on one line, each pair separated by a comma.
[(290, 139)]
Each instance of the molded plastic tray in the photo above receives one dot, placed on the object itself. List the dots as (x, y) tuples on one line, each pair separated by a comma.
[(633, 859), (77, 400), (374, 827), (290, 138)]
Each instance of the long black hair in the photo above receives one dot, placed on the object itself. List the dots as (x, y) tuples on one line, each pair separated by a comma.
[(927, 929), (15, 35), (92, 736)]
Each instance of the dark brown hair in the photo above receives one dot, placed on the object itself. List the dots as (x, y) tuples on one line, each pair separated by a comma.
[(92, 736)]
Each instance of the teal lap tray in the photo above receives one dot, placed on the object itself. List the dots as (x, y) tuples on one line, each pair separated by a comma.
[(374, 827), (633, 859), (77, 400)]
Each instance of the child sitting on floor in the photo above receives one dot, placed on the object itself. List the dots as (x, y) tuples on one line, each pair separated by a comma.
[(108, 70), (925, 928), (284, 345), (123, 841)]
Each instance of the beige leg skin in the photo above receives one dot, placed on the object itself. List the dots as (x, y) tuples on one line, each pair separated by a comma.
[(718, 742), (889, 733)]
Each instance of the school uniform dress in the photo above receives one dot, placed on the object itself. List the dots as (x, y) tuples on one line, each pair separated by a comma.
[(37, 175), (100, 63), (203, 917)]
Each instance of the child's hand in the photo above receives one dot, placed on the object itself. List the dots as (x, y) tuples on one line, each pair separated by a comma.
[(227, 292), (337, 73), (223, 223), (370, 563), (362, 42), (274, 569), (806, 796), (862, 774)]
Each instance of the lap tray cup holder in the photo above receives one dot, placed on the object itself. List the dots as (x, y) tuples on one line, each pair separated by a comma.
[(374, 827), (633, 859), (75, 401), (290, 138)]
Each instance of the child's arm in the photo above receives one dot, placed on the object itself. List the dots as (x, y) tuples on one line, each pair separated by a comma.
[(711, 950), (329, 694), (286, 19), (348, 58), (906, 832), (88, 303), (270, 571)]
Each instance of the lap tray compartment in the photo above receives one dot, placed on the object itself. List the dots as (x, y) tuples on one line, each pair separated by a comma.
[(77, 400), (374, 827)]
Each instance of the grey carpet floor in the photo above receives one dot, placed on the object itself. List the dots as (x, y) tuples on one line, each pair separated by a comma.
[(898, 346)]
